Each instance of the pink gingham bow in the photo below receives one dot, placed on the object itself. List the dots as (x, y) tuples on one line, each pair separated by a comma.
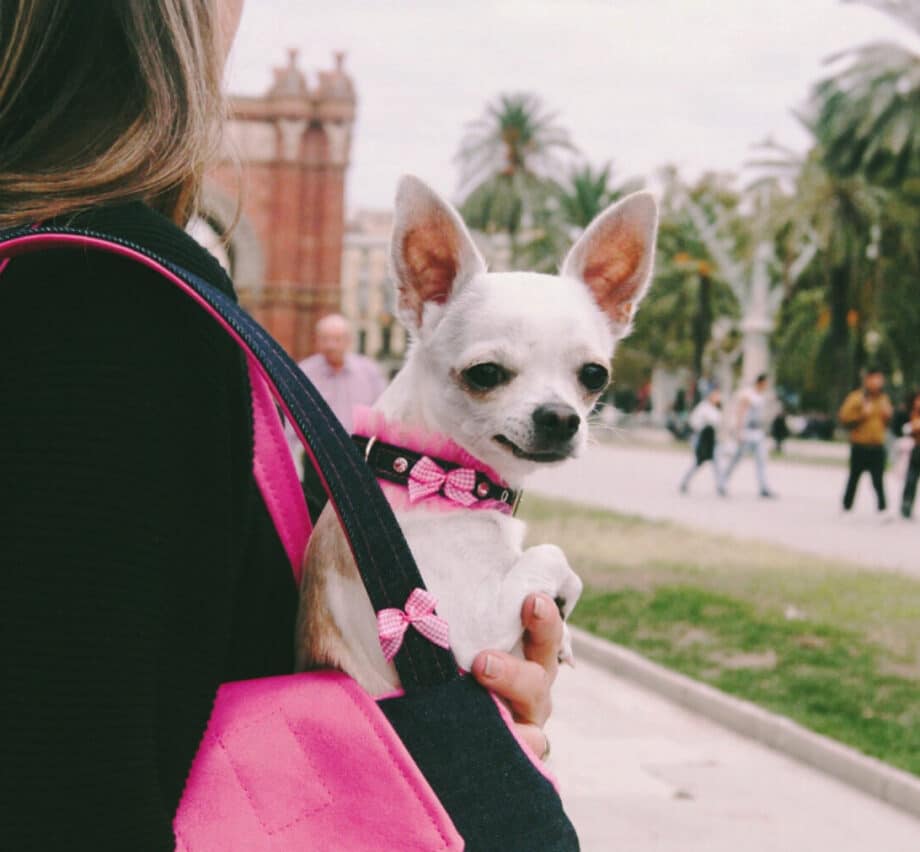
[(427, 478), (393, 623)]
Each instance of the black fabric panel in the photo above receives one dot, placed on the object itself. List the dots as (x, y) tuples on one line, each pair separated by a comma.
[(138, 566), (382, 555), (493, 793)]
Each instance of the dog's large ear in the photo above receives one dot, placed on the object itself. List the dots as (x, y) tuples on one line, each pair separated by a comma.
[(432, 253), (614, 257)]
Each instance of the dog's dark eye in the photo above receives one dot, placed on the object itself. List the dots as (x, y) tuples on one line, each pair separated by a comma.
[(593, 377), (485, 376)]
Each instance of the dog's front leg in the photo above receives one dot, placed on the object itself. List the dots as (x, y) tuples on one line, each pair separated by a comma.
[(543, 568)]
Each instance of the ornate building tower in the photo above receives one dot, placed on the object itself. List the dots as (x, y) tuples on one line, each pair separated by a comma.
[(287, 152)]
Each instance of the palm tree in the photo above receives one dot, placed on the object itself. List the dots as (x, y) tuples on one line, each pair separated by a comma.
[(690, 297), (567, 209), (510, 159), (867, 114), (842, 216)]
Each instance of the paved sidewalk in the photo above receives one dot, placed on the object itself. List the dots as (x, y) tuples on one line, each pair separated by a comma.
[(639, 774), (807, 517)]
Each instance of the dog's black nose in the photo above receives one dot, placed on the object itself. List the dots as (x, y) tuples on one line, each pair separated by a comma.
[(556, 422)]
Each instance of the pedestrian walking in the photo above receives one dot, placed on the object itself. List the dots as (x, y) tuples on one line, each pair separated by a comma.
[(749, 431), (911, 429), (705, 420), (866, 413)]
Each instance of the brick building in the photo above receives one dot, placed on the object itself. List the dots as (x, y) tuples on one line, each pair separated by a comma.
[(287, 152)]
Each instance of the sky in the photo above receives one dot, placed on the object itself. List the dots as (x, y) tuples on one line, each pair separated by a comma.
[(641, 83)]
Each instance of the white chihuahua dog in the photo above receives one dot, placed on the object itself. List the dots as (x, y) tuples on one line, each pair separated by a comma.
[(502, 372)]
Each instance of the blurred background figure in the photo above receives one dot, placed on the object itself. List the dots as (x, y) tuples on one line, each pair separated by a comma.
[(677, 417), (704, 421), (779, 430), (750, 434), (911, 430), (902, 440), (345, 380), (866, 413)]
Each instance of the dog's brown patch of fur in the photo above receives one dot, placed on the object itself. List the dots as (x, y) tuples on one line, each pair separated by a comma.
[(319, 641)]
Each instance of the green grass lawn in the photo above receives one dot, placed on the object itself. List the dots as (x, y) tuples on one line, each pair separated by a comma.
[(832, 645)]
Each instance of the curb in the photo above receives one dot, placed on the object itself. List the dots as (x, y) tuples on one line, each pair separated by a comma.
[(872, 776)]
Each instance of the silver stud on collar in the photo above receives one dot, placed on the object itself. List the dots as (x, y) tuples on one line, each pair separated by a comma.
[(400, 465)]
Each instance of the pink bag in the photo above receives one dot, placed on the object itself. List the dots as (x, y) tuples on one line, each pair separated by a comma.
[(326, 763), (340, 777)]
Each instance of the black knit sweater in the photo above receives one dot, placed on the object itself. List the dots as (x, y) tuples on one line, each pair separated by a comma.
[(139, 567)]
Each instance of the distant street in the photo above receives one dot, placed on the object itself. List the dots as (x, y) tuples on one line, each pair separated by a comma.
[(638, 480)]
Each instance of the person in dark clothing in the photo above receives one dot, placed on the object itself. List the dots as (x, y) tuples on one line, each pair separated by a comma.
[(705, 420), (140, 566), (901, 416), (911, 428), (779, 431)]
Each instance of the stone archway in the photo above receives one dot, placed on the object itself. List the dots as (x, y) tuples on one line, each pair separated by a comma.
[(244, 253), (287, 151)]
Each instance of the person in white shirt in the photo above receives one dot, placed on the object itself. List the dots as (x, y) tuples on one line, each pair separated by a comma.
[(750, 433), (704, 421)]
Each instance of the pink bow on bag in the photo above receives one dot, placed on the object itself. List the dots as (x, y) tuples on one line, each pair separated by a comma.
[(393, 623), (427, 478)]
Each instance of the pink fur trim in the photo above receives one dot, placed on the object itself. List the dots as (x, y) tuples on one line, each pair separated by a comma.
[(370, 423)]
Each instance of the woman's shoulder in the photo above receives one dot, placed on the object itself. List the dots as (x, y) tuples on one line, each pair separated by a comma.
[(96, 308), (139, 225), (76, 285)]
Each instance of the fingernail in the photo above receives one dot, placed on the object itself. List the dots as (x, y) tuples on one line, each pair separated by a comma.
[(492, 667), (539, 607)]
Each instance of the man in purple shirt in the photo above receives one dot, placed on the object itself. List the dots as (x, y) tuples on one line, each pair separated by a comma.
[(345, 380)]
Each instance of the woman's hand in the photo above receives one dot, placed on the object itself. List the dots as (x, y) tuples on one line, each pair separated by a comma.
[(525, 684)]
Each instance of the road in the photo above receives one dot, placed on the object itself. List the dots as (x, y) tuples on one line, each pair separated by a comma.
[(639, 480)]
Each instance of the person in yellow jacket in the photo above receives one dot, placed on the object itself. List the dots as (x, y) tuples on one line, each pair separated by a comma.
[(866, 413)]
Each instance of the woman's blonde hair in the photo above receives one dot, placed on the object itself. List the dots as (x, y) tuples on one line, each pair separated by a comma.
[(103, 101)]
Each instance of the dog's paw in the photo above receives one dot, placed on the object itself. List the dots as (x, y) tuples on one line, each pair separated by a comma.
[(568, 593), (566, 653), (546, 562), (544, 568)]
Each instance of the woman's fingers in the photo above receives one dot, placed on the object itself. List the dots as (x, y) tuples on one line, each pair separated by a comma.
[(542, 632), (525, 684), (534, 737)]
